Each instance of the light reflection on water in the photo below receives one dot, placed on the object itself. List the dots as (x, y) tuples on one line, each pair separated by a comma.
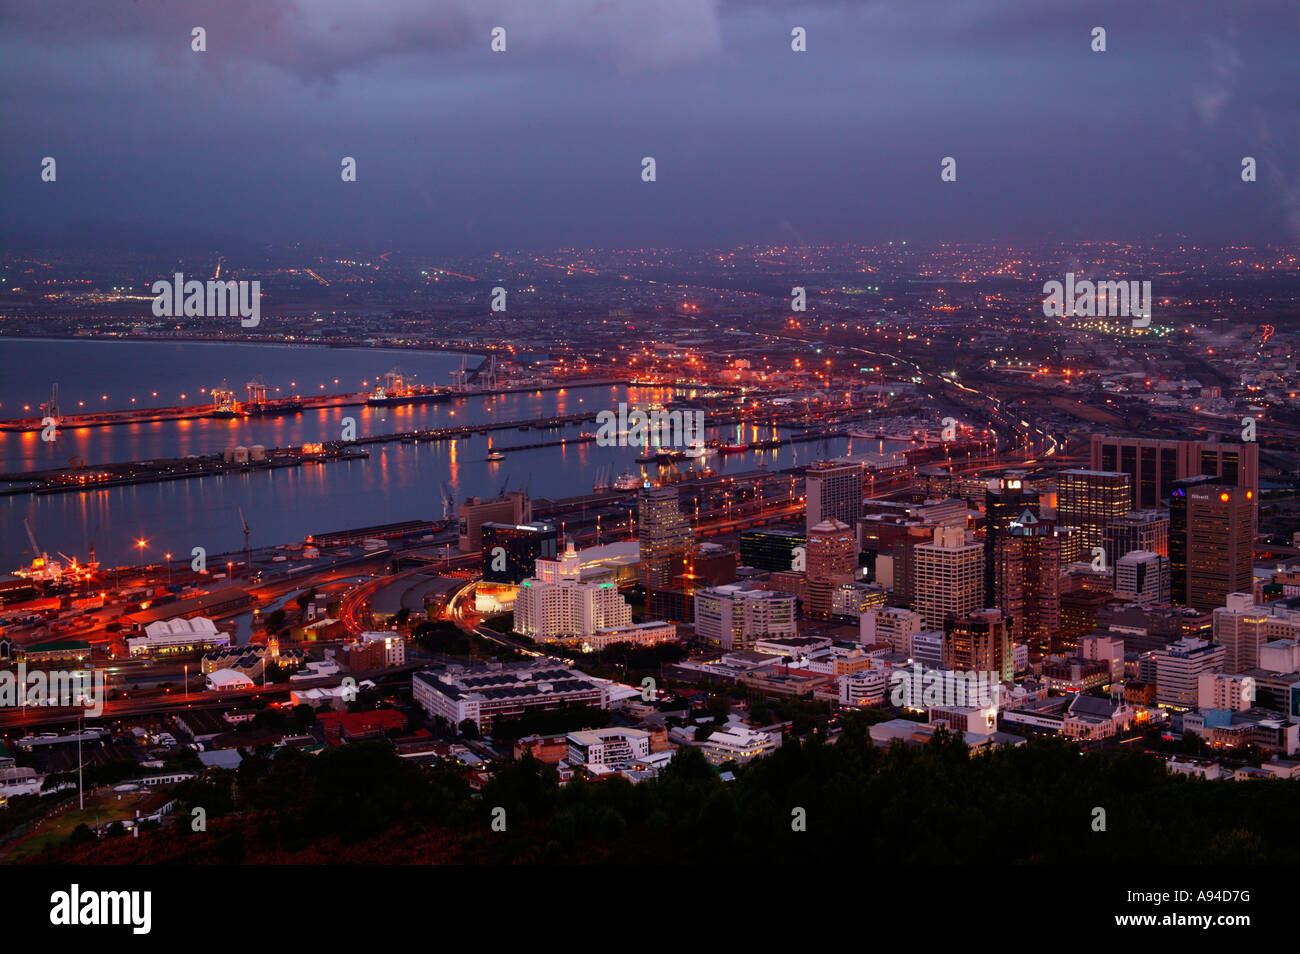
[(398, 481)]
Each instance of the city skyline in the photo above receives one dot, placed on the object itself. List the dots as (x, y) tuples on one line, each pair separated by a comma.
[(593, 433)]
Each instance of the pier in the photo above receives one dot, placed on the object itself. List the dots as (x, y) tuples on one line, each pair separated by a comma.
[(78, 479), (289, 405)]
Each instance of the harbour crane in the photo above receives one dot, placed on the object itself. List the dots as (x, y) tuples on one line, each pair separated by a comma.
[(248, 550), (37, 552), (41, 567)]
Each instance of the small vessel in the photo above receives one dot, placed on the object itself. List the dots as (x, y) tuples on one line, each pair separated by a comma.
[(496, 455), (734, 447), (698, 449)]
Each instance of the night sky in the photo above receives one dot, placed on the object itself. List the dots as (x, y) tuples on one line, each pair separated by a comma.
[(460, 149)]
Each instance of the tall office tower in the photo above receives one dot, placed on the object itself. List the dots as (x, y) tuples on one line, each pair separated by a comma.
[(834, 492), (1138, 530), (770, 549), (1241, 628), (1091, 500), (1178, 513), (511, 551), (514, 507), (980, 641), (1153, 465), (1006, 499), (832, 560), (1071, 552), (948, 578), (1220, 544), (665, 536), (1142, 577), (1028, 587), (893, 539)]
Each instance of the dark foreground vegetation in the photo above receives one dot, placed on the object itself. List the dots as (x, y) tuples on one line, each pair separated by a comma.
[(928, 804)]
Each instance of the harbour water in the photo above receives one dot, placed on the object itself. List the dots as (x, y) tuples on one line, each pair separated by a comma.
[(397, 482)]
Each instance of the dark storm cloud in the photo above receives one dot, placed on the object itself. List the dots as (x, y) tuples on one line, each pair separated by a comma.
[(458, 147)]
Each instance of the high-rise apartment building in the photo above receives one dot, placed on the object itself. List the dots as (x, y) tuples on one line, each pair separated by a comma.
[(948, 577), (736, 617), (833, 491), (1255, 636), (1178, 669), (1240, 627), (1091, 500)]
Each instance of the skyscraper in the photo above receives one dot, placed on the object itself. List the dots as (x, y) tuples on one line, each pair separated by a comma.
[(1178, 516), (1028, 578), (948, 578), (511, 551), (834, 492), (1142, 577), (1091, 500), (980, 642), (513, 507), (1220, 544), (1138, 530), (1153, 465), (770, 549), (665, 537), (1006, 499), (832, 560)]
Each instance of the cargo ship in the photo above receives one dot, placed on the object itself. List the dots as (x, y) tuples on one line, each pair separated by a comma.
[(627, 481), (224, 404), (395, 389)]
